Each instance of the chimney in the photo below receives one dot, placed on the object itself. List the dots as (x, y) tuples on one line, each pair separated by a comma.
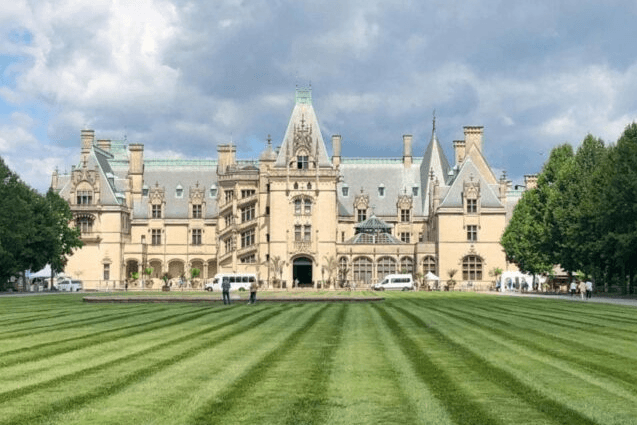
[(473, 136), (88, 137), (459, 148), (104, 144), (407, 150), (530, 181), (54, 180), (336, 149), (136, 168), (226, 154)]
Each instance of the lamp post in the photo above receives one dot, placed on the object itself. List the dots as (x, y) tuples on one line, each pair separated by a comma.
[(144, 254)]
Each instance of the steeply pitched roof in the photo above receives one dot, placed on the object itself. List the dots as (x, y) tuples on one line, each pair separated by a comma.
[(434, 160), (469, 172)]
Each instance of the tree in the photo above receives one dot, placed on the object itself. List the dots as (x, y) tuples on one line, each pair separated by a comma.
[(276, 265), (331, 265)]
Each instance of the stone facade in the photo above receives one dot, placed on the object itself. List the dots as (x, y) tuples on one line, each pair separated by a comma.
[(294, 206)]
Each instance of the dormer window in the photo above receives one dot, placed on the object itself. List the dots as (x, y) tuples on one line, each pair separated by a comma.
[(145, 190), (472, 206), (381, 190), (179, 192), (213, 191), (414, 191), (345, 190), (84, 197), (302, 162)]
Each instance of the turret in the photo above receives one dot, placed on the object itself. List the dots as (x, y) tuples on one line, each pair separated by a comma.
[(227, 157), (530, 181)]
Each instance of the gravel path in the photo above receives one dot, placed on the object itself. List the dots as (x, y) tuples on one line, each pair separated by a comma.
[(576, 298)]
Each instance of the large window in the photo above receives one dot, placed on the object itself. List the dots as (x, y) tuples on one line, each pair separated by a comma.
[(228, 244), (155, 236), (361, 215), (229, 194), (385, 266), (472, 233), (107, 271), (247, 238), (302, 233), (429, 264), (302, 162), (85, 197), (85, 224), (405, 237), (307, 233), (248, 213), (472, 206), (406, 265), (405, 215), (197, 211), (472, 268), (196, 236), (156, 211), (362, 269), (246, 193)]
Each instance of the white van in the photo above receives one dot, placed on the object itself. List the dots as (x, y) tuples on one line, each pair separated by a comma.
[(238, 281), (65, 284), (403, 282)]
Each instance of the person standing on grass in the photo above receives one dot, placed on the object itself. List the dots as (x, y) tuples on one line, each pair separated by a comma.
[(589, 289), (573, 287), (225, 289), (582, 289), (253, 292)]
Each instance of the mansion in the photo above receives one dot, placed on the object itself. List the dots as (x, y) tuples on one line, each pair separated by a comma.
[(315, 215)]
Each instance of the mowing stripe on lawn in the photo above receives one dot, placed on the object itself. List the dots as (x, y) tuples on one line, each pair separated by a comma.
[(36, 352), (216, 408), (461, 409), (554, 410), (45, 413), (76, 324), (572, 345), (629, 382)]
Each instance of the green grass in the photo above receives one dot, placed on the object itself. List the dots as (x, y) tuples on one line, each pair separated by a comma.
[(437, 358)]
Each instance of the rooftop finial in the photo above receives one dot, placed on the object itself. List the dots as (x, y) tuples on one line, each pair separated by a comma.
[(434, 121), (269, 139)]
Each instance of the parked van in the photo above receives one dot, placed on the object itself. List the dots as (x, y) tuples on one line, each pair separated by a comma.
[(238, 281), (403, 282), (66, 284)]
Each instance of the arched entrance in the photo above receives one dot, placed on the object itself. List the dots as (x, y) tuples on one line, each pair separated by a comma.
[(302, 270)]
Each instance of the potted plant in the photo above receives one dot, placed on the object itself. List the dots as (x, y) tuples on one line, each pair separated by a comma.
[(165, 278), (194, 274), (451, 282)]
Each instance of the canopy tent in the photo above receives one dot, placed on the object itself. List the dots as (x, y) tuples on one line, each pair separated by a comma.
[(45, 272), (431, 276)]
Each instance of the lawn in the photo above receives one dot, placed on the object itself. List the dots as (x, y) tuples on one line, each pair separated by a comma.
[(439, 358)]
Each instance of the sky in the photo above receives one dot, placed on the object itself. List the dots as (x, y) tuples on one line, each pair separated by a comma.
[(183, 76)]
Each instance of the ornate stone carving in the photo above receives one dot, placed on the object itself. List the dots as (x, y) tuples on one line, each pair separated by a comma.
[(156, 194), (404, 202), (197, 194), (302, 138)]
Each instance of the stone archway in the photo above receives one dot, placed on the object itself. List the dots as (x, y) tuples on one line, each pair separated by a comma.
[(302, 270)]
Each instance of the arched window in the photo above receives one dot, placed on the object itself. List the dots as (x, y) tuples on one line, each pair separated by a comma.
[(307, 206), (472, 268), (429, 264), (386, 265), (407, 265), (362, 268), (84, 223)]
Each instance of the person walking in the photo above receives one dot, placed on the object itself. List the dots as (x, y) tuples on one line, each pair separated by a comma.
[(582, 289), (589, 289), (253, 292), (573, 288), (225, 289)]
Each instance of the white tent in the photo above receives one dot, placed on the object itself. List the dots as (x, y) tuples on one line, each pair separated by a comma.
[(431, 276), (45, 272)]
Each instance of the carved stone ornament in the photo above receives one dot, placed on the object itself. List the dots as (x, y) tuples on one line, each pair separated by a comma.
[(156, 194), (197, 194), (302, 138), (404, 202), (361, 201), (84, 174)]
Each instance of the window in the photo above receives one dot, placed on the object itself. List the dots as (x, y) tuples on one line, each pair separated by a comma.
[(247, 238), (302, 162), (381, 191), (228, 219), (361, 215), (179, 192), (85, 224), (145, 191), (156, 211), (155, 236), (414, 191), (406, 265), (386, 265), (247, 213), (307, 233), (267, 237), (85, 197), (248, 259), (342, 236), (228, 245), (213, 192), (429, 264), (309, 186), (421, 237), (196, 236), (472, 268), (307, 204), (343, 270), (267, 187), (107, 271), (246, 193), (405, 215), (472, 233), (345, 190), (472, 206), (197, 211), (297, 207), (229, 194), (267, 210), (362, 269), (405, 237)]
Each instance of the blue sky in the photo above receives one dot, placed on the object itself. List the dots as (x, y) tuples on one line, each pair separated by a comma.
[(184, 76)]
